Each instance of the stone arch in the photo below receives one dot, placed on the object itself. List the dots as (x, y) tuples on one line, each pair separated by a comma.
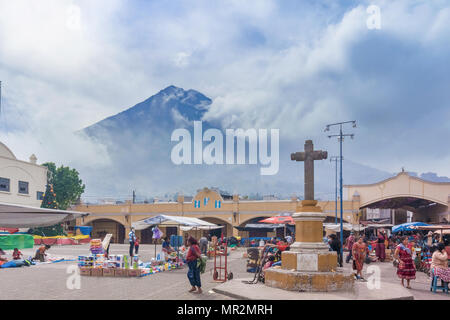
[(90, 219), (423, 208), (227, 230), (255, 218), (395, 196), (102, 226)]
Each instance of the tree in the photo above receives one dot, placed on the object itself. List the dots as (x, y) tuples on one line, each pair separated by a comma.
[(64, 188), (49, 202), (49, 199), (66, 183)]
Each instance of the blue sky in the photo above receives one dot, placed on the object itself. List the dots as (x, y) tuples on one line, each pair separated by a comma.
[(293, 65)]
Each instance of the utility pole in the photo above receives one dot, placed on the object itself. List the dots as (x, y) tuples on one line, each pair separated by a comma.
[(335, 159), (134, 196), (341, 136)]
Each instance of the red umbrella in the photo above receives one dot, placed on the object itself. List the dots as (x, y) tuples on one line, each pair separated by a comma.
[(279, 220)]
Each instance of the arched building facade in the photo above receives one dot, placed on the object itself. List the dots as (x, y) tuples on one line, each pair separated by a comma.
[(429, 201), (207, 204)]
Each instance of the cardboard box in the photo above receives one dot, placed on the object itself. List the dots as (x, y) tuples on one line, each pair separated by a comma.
[(97, 272), (121, 272), (108, 272), (134, 272), (85, 271)]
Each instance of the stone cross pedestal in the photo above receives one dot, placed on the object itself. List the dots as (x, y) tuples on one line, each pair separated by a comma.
[(309, 265)]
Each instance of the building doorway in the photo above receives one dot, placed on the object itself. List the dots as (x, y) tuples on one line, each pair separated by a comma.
[(101, 227)]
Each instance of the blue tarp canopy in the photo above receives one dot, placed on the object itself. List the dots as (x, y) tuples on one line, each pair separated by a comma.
[(85, 230), (407, 226)]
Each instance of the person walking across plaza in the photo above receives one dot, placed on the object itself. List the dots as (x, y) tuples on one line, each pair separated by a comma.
[(132, 240), (405, 269), (192, 257), (359, 252), (380, 248), (203, 245), (335, 245), (439, 263), (349, 243), (136, 245)]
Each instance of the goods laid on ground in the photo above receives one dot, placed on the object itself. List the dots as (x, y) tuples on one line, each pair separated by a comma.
[(97, 265), (96, 246)]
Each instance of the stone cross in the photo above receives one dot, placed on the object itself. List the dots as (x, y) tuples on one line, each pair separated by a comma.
[(308, 157)]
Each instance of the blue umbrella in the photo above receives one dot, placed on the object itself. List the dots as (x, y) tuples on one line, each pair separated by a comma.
[(407, 226)]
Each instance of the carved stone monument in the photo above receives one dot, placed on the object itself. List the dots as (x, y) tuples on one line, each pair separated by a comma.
[(309, 265)]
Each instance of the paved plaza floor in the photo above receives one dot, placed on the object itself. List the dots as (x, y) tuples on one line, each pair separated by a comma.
[(49, 281)]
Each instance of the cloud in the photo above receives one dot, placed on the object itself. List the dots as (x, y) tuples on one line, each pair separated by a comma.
[(291, 65)]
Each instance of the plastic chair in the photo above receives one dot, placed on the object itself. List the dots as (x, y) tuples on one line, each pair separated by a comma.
[(434, 287)]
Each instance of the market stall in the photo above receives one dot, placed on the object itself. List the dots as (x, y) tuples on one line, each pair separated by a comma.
[(285, 219), (409, 226), (20, 216), (261, 227), (175, 221), (336, 227), (442, 229)]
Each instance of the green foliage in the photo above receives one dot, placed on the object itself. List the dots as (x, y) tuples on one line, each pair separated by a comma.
[(67, 185), (49, 199), (64, 188), (50, 231)]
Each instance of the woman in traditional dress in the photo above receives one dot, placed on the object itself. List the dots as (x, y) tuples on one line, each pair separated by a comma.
[(439, 263), (194, 272), (380, 248), (359, 253), (406, 269)]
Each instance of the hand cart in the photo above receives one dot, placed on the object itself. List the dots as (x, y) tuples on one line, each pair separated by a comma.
[(220, 273)]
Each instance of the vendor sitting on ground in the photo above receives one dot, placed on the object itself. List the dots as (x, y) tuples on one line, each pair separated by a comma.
[(2, 257), (17, 255), (40, 253), (166, 246), (439, 263)]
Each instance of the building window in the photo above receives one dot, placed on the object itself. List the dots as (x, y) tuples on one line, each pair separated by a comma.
[(4, 184), (39, 195), (23, 187)]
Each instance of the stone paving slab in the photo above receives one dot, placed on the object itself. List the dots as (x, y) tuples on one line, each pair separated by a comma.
[(238, 290)]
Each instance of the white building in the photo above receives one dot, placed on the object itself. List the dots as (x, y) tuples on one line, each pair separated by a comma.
[(21, 182)]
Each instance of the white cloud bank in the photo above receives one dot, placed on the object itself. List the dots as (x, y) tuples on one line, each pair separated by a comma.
[(290, 65)]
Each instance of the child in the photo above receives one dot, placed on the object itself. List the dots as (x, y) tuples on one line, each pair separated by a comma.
[(17, 255), (136, 245)]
